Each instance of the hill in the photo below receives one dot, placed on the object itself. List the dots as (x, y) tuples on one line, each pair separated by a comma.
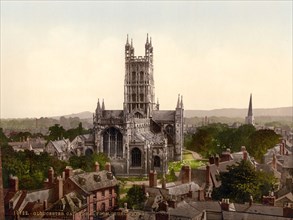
[(240, 113)]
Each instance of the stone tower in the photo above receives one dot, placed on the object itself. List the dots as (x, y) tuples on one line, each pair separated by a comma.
[(250, 118), (141, 137), (139, 93)]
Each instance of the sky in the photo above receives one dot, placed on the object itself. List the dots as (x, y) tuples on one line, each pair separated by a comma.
[(60, 57)]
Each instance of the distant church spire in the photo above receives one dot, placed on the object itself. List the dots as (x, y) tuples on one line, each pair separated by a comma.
[(181, 103), (250, 106), (147, 40), (249, 118)]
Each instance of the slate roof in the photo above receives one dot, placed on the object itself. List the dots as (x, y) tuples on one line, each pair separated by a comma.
[(163, 115), (92, 181), (71, 203), (60, 145), (289, 196), (183, 188), (149, 136), (184, 210)]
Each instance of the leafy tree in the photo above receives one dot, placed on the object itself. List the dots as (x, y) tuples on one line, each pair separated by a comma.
[(87, 162), (135, 197), (56, 132), (31, 169), (3, 139), (261, 141), (242, 181)]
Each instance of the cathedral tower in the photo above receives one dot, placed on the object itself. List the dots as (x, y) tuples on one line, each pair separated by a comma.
[(139, 92)]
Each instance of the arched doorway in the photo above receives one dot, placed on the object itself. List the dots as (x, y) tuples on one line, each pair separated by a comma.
[(157, 161), (88, 152), (135, 157), (113, 142)]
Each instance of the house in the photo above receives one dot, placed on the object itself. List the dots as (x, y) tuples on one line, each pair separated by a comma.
[(60, 149)]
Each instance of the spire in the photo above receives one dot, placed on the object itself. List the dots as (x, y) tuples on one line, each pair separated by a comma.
[(181, 103), (131, 43), (250, 106), (147, 40), (103, 106), (98, 105), (178, 101), (127, 42)]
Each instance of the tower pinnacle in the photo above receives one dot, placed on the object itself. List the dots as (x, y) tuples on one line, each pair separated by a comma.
[(250, 106)]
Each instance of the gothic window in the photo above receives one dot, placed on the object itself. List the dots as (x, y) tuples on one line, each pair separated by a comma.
[(141, 97), (133, 76), (113, 142), (169, 129), (157, 161), (141, 77), (133, 97), (138, 115), (88, 152), (136, 157)]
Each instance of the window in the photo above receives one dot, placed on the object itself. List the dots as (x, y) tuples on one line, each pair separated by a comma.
[(136, 157), (113, 142), (157, 161)]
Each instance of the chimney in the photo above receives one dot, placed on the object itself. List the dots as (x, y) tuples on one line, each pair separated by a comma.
[(13, 183), (211, 160), (97, 167), (217, 160), (68, 172), (186, 174), (226, 155), (59, 187), (50, 176), (269, 200), (225, 204), (245, 155), (208, 174), (153, 179), (108, 167)]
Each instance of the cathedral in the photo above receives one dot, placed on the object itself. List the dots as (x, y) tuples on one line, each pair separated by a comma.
[(140, 137)]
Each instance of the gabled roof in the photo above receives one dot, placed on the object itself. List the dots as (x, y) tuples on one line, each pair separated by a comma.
[(288, 196), (60, 145), (93, 181), (183, 189)]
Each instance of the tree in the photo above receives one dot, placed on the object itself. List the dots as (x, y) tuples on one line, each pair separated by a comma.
[(242, 181), (56, 132), (261, 141), (87, 162), (135, 197)]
